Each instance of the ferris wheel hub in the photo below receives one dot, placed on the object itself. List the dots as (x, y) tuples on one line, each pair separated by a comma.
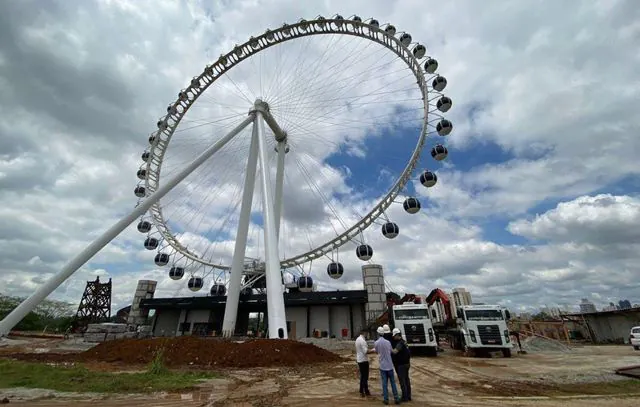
[(263, 107)]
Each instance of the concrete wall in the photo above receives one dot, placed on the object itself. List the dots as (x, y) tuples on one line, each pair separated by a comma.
[(319, 318), (613, 326), (359, 321), (339, 320), (322, 317), (192, 317), (196, 316), (166, 322), (327, 318), (299, 316)]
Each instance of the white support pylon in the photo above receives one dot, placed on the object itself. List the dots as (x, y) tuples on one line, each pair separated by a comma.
[(277, 320), (237, 264), (85, 255), (282, 151)]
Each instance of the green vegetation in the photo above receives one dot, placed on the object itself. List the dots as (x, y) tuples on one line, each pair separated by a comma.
[(49, 316), (80, 379)]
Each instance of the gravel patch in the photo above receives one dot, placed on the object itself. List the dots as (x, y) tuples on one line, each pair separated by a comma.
[(537, 344), (331, 344)]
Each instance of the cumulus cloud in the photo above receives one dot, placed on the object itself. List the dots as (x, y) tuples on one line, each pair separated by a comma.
[(82, 85), (600, 220)]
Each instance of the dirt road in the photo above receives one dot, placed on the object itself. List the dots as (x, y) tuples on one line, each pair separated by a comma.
[(581, 377)]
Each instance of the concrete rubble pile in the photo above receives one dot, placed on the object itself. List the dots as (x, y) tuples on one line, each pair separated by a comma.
[(96, 333)]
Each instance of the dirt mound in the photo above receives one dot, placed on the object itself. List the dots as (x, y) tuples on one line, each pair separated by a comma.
[(209, 352)]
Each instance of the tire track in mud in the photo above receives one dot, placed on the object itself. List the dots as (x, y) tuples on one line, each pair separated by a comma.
[(455, 381)]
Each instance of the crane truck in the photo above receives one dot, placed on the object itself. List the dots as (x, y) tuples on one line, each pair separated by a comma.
[(473, 328), (482, 328), (414, 322)]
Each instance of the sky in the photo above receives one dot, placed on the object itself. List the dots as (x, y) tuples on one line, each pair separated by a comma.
[(537, 204)]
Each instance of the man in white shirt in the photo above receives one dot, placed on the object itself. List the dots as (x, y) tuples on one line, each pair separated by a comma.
[(362, 350)]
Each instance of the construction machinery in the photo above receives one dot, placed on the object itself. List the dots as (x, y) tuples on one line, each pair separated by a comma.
[(411, 315), (482, 328), (472, 328), (475, 329), (414, 322)]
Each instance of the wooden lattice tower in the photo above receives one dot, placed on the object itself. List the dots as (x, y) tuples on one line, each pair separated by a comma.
[(95, 305)]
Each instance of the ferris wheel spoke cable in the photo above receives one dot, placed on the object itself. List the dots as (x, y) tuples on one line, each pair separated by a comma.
[(314, 192), (322, 196), (313, 74), (210, 102), (369, 123), (338, 89), (328, 71), (207, 123), (210, 167), (344, 107), (307, 85), (233, 207), (294, 73), (314, 188), (211, 242), (348, 208), (186, 150), (340, 81)]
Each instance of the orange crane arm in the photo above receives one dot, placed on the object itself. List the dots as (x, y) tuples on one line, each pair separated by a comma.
[(437, 295)]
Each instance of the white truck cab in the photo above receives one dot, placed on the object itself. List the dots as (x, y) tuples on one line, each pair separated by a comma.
[(484, 328), (414, 323)]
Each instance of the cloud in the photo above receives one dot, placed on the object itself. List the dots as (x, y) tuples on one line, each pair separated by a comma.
[(542, 114), (600, 220)]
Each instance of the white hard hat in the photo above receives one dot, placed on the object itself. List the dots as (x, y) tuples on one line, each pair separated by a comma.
[(386, 328), (380, 330), (396, 331)]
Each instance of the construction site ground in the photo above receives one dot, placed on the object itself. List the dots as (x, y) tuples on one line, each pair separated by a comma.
[(550, 374)]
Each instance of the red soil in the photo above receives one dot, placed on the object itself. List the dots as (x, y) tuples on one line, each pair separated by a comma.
[(185, 351)]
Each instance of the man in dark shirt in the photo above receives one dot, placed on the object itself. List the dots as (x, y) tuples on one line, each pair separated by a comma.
[(402, 363)]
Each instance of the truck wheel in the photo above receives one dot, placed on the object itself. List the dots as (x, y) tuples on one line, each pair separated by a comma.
[(636, 348), (506, 353), (432, 352)]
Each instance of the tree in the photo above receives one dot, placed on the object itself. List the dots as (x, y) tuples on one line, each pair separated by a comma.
[(542, 316), (50, 314)]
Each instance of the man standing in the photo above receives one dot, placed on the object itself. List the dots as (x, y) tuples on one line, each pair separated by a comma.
[(402, 359), (362, 349), (383, 349)]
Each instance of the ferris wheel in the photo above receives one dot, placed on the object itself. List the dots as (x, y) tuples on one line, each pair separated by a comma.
[(279, 116)]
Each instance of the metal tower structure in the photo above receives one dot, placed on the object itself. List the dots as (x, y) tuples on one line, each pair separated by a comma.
[(95, 305)]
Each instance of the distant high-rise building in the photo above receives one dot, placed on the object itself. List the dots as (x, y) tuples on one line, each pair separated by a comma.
[(587, 306), (452, 304), (461, 296)]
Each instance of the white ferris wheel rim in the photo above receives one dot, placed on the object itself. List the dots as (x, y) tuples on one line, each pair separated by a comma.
[(199, 84)]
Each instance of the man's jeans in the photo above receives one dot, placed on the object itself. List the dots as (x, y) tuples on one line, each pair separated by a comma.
[(387, 375)]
